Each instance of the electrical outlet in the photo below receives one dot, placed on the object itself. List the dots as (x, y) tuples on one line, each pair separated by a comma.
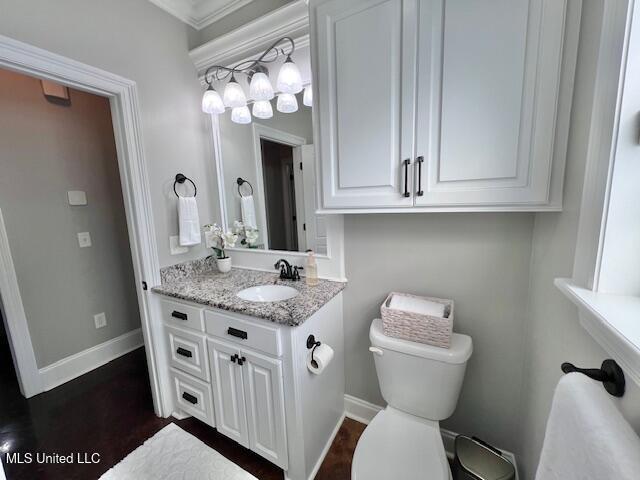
[(84, 239), (175, 247), (100, 320)]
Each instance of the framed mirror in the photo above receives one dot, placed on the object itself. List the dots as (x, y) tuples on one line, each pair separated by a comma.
[(266, 166)]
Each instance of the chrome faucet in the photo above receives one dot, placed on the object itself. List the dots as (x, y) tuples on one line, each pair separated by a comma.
[(287, 272)]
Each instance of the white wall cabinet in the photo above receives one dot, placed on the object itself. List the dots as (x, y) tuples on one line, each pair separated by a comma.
[(427, 105)]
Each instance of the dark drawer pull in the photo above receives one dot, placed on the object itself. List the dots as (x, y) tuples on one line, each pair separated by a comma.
[(184, 352), (189, 398), (406, 164), (234, 332), (420, 161), (180, 315)]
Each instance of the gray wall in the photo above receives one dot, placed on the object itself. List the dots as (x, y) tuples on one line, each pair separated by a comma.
[(46, 150), (554, 334), (479, 260), (141, 42)]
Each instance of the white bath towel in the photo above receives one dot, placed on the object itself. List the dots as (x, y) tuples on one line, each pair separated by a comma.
[(587, 437), (417, 305), (248, 211), (189, 222)]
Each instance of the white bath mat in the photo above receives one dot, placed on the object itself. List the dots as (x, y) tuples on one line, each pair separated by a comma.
[(173, 454)]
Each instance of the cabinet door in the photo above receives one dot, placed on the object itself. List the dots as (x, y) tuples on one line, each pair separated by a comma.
[(264, 393), (228, 393), (489, 75), (365, 75)]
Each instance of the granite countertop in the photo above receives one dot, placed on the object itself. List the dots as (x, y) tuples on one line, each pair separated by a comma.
[(214, 289)]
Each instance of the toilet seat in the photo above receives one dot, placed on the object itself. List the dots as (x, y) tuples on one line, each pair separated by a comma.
[(397, 445)]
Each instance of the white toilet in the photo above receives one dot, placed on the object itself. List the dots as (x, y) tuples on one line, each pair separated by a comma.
[(421, 384)]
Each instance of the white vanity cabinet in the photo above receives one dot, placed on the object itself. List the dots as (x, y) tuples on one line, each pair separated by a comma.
[(432, 105), (248, 378)]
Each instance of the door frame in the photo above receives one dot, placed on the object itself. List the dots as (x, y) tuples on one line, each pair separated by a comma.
[(278, 136), (125, 111)]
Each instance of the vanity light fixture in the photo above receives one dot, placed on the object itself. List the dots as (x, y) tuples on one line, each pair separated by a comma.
[(307, 98), (262, 109), (289, 78), (234, 95), (260, 88), (287, 103), (261, 91), (241, 115), (212, 102)]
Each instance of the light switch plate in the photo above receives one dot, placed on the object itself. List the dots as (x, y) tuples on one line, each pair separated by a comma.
[(175, 247), (77, 197), (84, 239), (100, 320)]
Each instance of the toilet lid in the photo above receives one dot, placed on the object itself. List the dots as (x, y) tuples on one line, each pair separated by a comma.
[(397, 445)]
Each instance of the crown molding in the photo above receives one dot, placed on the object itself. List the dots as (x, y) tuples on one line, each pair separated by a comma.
[(290, 20), (199, 14)]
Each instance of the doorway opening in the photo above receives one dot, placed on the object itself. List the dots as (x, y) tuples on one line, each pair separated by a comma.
[(280, 180), (65, 231)]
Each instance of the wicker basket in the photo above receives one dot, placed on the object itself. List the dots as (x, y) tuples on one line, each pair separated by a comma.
[(417, 327)]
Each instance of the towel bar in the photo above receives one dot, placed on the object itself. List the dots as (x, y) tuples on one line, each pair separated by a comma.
[(610, 374)]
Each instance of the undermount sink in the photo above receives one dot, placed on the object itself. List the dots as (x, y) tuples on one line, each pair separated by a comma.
[(267, 293)]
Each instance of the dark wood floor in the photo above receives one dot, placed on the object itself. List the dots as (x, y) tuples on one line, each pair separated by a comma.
[(109, 411)]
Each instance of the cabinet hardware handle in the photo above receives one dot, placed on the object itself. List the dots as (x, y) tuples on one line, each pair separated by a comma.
[(234, 332), (189, 398), (420, 161), (234, 357), (184, 352), (179, 315), (406, 163), (241, 361)]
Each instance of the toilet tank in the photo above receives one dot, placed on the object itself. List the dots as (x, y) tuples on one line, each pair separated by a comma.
[(420, 379)]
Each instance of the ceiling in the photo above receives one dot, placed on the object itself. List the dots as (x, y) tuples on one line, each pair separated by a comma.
[(200, 13)]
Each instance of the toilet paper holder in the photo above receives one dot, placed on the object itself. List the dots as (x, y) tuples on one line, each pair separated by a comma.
[(312, 344)]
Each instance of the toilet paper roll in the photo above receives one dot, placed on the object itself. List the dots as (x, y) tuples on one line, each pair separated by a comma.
[(321, 358)]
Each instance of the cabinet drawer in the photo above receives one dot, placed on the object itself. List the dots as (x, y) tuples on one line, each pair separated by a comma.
[(179, 314), (261, 337), (193, 396), (188, 352)]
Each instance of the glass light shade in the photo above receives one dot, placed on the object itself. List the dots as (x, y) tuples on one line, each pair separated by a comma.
[(260, 88), (234, 95), (262, 109), (289, 78), (307, 98), (211, 102), (241, 115), (287, 103)]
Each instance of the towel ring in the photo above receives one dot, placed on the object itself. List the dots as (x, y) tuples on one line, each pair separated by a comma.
[(241, 181), (180, 178)]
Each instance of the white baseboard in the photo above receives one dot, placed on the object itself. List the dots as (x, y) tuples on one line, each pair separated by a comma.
[(83, 362), (363, 412)]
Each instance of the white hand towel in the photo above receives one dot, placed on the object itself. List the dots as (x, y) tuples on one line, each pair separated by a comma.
[(417, 305), (188, 221), (587, 437), (248, 211)]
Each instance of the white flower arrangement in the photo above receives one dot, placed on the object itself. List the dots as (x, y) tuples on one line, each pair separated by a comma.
[(249, 234), (217, 239)]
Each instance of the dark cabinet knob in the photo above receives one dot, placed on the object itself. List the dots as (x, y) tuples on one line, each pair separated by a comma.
[(406, 164), (179, 315), (234, 332)]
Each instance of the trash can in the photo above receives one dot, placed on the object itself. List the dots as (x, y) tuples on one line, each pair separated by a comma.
[(477, 460)]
